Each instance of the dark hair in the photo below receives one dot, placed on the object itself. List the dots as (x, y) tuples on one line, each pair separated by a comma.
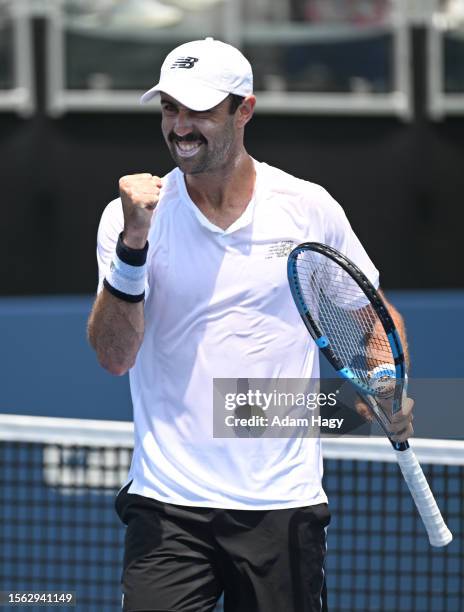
[(234, 102)]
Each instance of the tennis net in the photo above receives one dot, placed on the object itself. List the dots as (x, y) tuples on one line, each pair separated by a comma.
[(59, 531)]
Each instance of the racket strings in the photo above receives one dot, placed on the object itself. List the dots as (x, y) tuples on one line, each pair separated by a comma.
[(343, 314)]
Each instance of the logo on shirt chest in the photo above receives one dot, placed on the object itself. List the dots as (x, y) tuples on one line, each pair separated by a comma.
[(279, 249)]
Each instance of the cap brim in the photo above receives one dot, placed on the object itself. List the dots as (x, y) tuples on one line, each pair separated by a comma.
[(193, 95)]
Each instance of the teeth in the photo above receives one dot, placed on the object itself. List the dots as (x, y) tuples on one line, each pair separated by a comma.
[(187, 149), (187, 146)]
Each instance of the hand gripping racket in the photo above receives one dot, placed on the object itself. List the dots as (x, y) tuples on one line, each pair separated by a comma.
[(351, 325)]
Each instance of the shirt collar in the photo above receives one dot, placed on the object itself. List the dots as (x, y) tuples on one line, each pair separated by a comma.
[(245, 219)]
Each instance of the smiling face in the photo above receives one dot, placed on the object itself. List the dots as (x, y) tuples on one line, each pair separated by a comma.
[(200, 141)]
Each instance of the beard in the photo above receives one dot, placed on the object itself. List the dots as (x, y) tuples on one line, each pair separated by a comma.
[(198, 164), (212, 154)]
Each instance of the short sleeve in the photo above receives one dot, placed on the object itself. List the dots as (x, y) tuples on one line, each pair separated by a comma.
[(340, 235), (111, 225)]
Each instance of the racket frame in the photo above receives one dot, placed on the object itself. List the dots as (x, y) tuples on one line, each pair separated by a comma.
[(438, 532), (323, 342)]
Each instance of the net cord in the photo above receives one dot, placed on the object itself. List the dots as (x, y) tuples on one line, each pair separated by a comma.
[(102, 433)]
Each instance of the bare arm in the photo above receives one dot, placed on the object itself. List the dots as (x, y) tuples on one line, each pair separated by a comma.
[(115, 331), (116, 326), (399, 324), (401, 422)]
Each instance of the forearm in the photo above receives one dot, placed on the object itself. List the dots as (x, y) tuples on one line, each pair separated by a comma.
[(115, 330), (116, 323), (379, 353), (400, 326)]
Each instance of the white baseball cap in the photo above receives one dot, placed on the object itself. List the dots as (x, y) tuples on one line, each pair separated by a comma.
[(202, 73)]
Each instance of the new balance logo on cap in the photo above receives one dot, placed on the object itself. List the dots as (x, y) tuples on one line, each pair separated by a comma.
[(184, 62)]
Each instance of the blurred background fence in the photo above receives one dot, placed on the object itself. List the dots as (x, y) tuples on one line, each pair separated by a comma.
[(365, 97)]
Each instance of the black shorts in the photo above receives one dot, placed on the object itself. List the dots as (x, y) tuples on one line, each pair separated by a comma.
[(181, 559)]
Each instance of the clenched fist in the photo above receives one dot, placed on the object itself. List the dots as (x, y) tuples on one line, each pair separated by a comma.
[(139, 196)]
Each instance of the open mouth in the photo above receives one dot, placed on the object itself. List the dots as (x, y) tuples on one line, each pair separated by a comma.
[(187, 149)]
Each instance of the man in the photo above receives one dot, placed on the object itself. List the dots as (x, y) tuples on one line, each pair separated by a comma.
[(193, 287)]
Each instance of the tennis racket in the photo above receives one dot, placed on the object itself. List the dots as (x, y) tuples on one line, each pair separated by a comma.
[(352, 327)]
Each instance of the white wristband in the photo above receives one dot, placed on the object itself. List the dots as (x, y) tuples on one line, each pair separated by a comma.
[(127, 273), (126, 278)]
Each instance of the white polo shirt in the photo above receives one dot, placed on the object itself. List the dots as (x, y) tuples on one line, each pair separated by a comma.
[(218, 305)]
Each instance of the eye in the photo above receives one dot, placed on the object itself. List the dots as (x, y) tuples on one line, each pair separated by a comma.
[(168, 107)]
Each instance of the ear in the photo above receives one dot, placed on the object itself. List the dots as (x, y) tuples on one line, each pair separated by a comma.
[(245, 111)]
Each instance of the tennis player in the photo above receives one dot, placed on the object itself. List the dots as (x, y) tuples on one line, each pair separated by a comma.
[(193, 287)]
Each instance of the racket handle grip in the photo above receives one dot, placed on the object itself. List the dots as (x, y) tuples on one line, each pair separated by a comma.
[(438, 532)]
